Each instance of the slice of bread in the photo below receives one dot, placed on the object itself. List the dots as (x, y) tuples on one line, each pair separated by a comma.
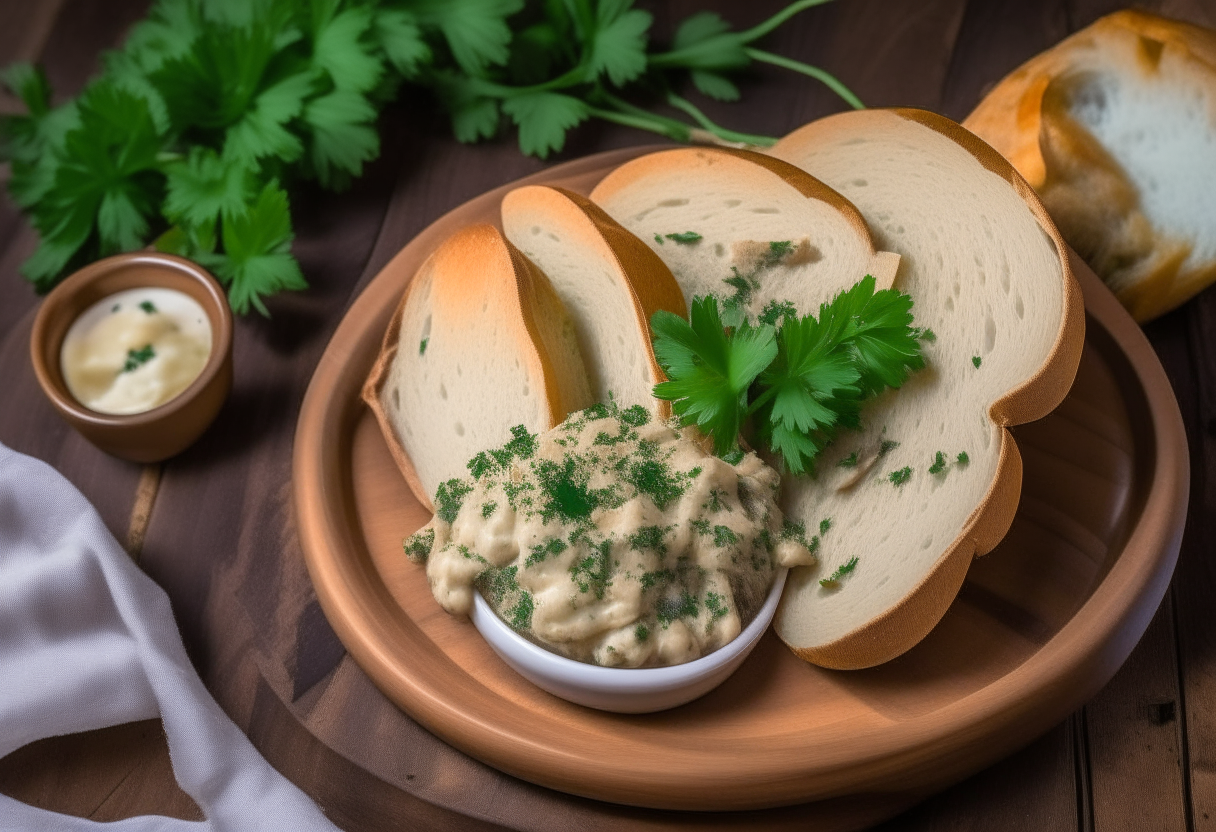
[(988, 274), (766, 230), (480, 343), (1115, 127), (609, 282)]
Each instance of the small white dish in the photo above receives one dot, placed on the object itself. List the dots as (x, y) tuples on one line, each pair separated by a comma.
[(619, 689)]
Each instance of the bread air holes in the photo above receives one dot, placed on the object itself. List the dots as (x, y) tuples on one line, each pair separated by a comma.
[(989, 333), (459, 429), (535, 230), (673, 203), (861, 183), (527, 390), (766, 210), (719, 250), (396, 398), (1019, 307), (443, 391), (733, 203)]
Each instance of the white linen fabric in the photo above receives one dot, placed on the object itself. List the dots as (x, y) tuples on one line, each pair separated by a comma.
[(87, 640)]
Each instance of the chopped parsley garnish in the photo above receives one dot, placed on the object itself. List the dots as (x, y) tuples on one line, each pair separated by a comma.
[(668, 609), (148, 307), (842, 570), (939, 464), (487, 509), (778, 250), (717, 607), (887, 446), (635, 416), (592, 573), (792, 530), (658, 238), (901, 476), (962, 458), (801, 383), (648, 537), (849, 461), (976, 360), (521, 614), (138, 358), (418, 545), (926, 334), (422, 346), (824, 525), (724, 536), (449, 497), (775, 309), (565, 489), (521, 446), (656, 480), (541, 551), (685, 237), (641, 633)]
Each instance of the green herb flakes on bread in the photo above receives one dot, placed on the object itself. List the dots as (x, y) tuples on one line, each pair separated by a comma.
[(933, 477), (751, 230)]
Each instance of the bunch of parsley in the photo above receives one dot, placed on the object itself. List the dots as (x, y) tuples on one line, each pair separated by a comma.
[(798, 379), (211, 107)]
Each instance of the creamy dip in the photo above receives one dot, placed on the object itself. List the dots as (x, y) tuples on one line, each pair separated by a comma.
[(612, 539), (135, 350)]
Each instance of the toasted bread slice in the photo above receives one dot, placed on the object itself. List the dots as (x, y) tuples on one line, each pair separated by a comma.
[(609, 282), (988, 274), (479, 344), (762, 231), (1115, 127)]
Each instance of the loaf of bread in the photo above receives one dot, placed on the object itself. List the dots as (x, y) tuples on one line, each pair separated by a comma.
[(933, 478), (745, 227), (1115, 127), (480, 343), (608, 281)]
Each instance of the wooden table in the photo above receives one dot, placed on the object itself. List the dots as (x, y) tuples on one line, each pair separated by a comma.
[(214, 526)]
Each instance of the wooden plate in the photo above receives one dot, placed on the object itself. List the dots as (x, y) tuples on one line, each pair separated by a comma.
[(1040, 625)]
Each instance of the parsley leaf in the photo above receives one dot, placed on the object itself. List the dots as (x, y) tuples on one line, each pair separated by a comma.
[(343, 136), (801, 383), (257, 252), (203, 186), (543, 119), (476, 30), (810, 389), (709, 369), (400, 36), (106, 183), (619, 47)]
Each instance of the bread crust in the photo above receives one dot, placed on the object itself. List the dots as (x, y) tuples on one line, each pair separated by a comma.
[(645, 277), (476, 261), (882, 265), (1023, 112), (903, 625)]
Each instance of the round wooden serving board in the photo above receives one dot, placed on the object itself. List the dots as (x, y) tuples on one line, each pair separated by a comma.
[(1040, 625)]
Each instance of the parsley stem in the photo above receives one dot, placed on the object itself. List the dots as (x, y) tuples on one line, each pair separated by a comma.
[(761, 29), (806, 69), (490, 89), (674, 130), (687, 106)]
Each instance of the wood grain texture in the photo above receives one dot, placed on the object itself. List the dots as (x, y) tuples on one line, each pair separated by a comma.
[(223, 543)]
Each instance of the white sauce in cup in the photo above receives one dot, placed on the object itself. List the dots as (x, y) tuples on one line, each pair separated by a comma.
[(135, 350)]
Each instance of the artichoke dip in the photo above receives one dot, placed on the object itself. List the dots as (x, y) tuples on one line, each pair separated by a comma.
[(612, 539)]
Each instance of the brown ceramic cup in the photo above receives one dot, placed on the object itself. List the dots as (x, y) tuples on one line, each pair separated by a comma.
[(165, 430)]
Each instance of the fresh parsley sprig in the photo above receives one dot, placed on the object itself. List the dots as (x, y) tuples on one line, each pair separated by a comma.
[(800, 383), (212, 108)]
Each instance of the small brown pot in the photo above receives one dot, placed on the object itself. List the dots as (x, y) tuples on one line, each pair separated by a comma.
[(165, 430)]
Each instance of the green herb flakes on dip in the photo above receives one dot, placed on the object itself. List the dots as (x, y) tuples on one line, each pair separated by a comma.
[(613, 539)]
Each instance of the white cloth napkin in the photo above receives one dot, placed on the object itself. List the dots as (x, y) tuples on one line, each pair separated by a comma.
[(87, 640)]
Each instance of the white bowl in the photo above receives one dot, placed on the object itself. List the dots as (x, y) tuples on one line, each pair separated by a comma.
[(622, 689)]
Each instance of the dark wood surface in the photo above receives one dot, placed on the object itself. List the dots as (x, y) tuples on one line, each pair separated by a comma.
[(219, 535)]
